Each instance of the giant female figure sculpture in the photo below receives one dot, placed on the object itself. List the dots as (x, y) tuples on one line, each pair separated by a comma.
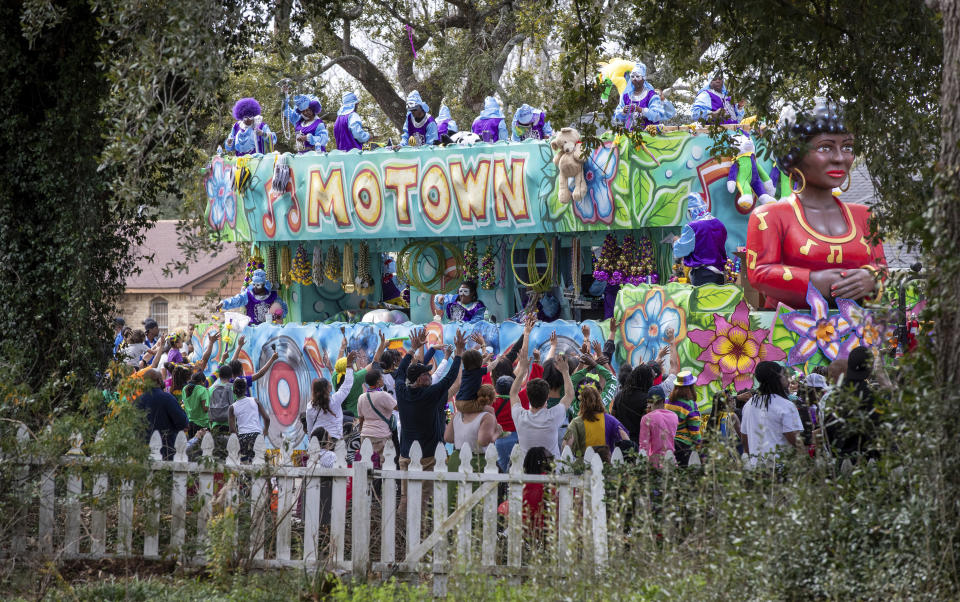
[(813, 237)]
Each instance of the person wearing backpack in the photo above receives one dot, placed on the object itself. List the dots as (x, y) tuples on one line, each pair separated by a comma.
[(376, 408), (221, 398)]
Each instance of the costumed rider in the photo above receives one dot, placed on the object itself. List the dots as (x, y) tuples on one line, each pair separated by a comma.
[(250, 135), (530, 124), (702, 243), (464, 306), (813, 237), (348, 129), (490, 124), (258, 299), (641, 105), (389, 286), (304, 113), (446, 126), (713, 104), (419, 127)]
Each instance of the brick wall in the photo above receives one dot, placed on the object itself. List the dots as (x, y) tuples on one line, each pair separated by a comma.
[(182, 307)]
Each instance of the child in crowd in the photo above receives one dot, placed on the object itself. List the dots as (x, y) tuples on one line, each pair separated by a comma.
[(658, 428)]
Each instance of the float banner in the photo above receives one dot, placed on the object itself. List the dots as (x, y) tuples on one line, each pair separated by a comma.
[(460, 191)]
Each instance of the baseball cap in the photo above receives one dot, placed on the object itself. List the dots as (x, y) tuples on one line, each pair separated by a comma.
[(817, 381), (119, 321), (656, 391), (415, 371)]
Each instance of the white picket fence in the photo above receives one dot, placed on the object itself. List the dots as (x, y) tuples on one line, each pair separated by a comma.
[(437, 537)]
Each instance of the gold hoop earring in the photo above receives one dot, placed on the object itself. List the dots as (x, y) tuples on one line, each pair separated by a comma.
[(802, 186), (849, 179)]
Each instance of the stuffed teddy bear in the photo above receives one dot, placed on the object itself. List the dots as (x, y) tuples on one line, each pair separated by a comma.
[(569, 159)]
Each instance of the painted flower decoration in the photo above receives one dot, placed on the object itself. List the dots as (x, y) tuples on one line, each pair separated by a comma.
[(817, 330), (866, 330), (647, 322), (221, 200), (599, 171), (732, 350)]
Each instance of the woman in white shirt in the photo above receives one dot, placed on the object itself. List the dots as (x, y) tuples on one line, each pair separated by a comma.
[(770, 420), (326, 408), (244, 417)]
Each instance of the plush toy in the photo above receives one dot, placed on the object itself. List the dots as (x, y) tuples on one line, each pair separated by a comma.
[(781, 183), (748, 176), (569, 159), (465, 138)]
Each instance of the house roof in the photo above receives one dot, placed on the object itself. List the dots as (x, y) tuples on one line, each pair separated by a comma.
[(161, 242), (899, 255)]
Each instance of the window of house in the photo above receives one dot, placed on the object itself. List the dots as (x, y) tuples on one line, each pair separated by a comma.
[(158, 311)]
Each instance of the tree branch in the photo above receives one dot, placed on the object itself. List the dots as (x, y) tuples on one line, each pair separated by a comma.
[(496, 70)]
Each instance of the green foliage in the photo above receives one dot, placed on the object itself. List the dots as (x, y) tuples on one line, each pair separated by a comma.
[(108, 97)]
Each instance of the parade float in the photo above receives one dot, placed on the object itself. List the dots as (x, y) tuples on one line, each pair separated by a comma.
[(519, 219)]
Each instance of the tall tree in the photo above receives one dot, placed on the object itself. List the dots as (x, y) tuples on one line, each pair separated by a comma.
[(104, 103), (462, 46)]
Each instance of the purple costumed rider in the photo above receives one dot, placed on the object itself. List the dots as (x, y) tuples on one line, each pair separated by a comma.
[(446, 126), (530, 124), (348, 129), (490, 124), (249, 135), (257, 299), (464, 306), (702, 243), (303, 113), (640, 105), (419, 124), (713, 104)]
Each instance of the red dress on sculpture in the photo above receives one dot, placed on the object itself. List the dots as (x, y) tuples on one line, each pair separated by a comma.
[(782, 249)]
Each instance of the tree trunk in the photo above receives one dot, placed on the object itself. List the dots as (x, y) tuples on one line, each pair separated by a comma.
[(945, 221)]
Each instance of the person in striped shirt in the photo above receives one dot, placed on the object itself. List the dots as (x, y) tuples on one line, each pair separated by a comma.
[(683, 402)]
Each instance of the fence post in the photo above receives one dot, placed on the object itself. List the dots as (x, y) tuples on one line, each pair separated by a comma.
[(360, 534), (488, 550), (440, 489), (151, 539), (285, 501), (414, 498), (260, 501), (46, 510), (205, 488), (388, 507), (597, 512), (338, 506), (515, 516), (565, 519), (311, 505), (98, 521), (178, 494), (464, 490), (125, 519), (72, 502)]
